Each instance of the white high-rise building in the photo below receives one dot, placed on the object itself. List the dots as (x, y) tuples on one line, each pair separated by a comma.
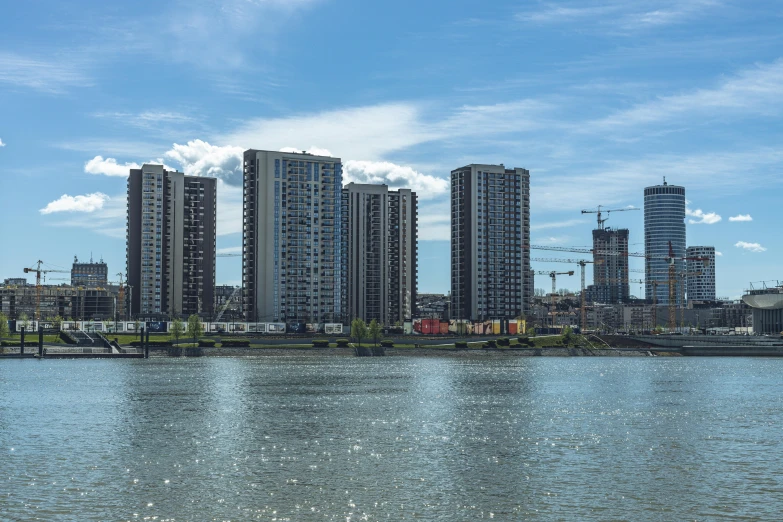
[(292, 269), (700, 282), (380, 233), (171, 234), (490, 230)]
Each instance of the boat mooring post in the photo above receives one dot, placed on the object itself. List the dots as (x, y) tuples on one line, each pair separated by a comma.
[(21, 348), (40, 341), (147, 351)]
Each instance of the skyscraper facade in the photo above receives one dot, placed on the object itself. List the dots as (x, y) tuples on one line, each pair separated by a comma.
[(171, 234), (490, 236), (610, 265), (380, 242), (664, 223), (292, 268), (700, 282)]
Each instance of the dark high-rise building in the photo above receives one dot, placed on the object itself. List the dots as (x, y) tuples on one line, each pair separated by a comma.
[(610, 265), (379, 235), (171, 234), (89, 274), (490, 228), (292, 263), (664, 223)]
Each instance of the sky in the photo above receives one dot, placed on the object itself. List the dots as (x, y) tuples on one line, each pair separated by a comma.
[(598, 99)]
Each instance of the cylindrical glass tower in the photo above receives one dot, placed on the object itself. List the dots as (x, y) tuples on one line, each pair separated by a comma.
[(664, 221)]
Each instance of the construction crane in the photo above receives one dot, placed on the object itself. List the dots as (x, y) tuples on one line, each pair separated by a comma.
[(228, 302), (670, 259), (228, 255), (38, 271), (581, 263), (553, 275), (120, 295), (599, 210)]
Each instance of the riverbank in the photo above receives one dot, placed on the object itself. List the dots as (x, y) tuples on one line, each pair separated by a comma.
[(416, 352)]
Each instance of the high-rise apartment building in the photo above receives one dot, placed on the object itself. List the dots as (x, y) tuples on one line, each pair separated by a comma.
[(89, 274), (170, 255), (292, 268), (610, 265), (379, 235), (664, 223), (490, 233), (700, 279)]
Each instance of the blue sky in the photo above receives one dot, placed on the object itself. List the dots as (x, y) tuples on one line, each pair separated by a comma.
[(598, 99)]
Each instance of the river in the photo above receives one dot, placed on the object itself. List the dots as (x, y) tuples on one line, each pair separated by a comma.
[(396, 438)]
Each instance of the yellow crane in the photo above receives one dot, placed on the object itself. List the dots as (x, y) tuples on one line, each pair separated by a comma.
[(38, 271), (582, 263)]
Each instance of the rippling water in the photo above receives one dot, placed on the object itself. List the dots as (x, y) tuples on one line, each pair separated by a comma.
[(391, 439)]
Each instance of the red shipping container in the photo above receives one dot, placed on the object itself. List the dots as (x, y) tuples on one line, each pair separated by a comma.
[(444, 327), (512, 327)]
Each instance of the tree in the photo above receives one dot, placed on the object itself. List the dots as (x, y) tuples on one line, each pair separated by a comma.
[(358, 330), (568, 336), (539, 292), (58, 322), (177, 329), (4, 330), (195, 328), (26, 323), (374, 331), (136, 327)]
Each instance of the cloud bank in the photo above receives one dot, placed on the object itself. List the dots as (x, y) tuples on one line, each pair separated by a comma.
[(750, 247), (741, 217), (698, 217)]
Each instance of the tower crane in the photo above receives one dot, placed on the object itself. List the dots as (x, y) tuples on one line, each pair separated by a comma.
[(553, 275), (232, 254), (600, 210), (670, 259), (581, 263), (38, 271)]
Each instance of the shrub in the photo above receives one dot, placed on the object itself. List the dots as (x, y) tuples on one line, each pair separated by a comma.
[(504, 341), (206, 343), (320, 343), (490, 344), (342, 343), (235, 343), (387, 343), (461, 344)]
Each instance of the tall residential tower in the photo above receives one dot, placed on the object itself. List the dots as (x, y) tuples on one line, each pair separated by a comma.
[(700, 282), (490, 236), (292, 269), (380, 234), (610, 265), (170, 253), (664, 222)]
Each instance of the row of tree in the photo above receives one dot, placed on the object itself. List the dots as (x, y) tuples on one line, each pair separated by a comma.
[(361, 330)]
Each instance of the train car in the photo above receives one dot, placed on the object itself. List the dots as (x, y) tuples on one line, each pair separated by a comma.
[(275, 328), (157, 326)]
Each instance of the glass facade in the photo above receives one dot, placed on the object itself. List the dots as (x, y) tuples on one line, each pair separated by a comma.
[(664, 222)]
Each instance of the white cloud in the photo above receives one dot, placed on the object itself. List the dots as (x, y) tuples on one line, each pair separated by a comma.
[(741, 217), (86, 203), (199, 158), (315, 151), (754, 90), (701, 218), (718, 254), (229, 208), (622, 15), (49, 76), (395, 176), (751, 247), (229, 250), (108, 167), (1, 143)]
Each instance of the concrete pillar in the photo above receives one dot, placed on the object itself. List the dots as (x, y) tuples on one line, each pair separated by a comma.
[(21, 349)]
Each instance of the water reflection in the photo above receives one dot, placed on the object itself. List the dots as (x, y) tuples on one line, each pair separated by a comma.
[(337, 438)]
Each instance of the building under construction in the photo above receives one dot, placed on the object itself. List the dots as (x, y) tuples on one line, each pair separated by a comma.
[(66, 301), (610, 268)]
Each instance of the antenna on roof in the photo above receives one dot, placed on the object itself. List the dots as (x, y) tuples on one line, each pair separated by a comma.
[(664, 180)]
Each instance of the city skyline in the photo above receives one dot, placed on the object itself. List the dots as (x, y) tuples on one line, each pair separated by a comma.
[(599, 101)]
